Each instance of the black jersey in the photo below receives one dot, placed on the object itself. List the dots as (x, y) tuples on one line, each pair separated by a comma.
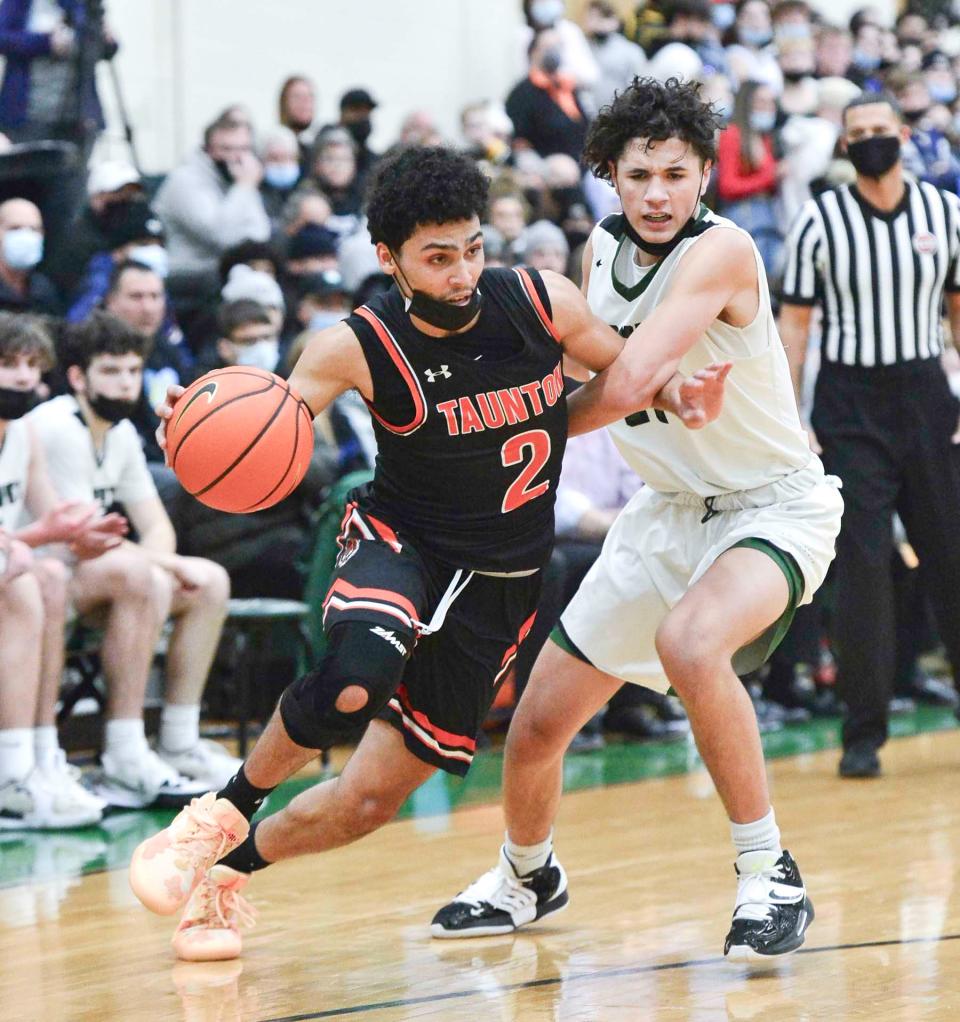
[(471, 428)]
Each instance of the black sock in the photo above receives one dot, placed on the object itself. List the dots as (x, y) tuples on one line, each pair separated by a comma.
[(243, 794), (245, 858)]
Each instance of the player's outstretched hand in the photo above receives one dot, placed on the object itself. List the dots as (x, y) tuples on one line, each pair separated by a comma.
[(701, 395), (165, 411)]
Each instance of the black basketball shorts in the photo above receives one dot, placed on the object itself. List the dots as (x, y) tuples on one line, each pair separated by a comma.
[(453, 673)]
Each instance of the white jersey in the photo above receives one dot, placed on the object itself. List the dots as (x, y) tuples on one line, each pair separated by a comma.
[(116, 473), (758, 437), (14, 470)]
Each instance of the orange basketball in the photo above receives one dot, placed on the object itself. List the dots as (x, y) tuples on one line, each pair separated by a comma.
[(240, 439)]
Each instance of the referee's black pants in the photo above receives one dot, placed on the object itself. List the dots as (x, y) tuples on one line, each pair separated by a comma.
[(886, 433)]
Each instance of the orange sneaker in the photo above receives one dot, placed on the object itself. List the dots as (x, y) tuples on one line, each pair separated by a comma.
[(210, 928), (168, 866)]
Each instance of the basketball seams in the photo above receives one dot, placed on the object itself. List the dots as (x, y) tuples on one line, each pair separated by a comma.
[(263, 431), (226, 404), (286, 471)]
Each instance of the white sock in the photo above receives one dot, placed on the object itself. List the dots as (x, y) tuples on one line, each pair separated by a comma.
[(527, 858), (760, 836), (16, 753), (179, 727), (125, 739), (46, 744)]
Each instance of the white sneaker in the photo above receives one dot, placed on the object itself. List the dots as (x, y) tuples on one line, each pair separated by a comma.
[(142, 780), (36, 804), (206, 761), (64, 779)]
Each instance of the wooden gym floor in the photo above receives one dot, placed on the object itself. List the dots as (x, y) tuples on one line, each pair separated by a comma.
[(344, 936)]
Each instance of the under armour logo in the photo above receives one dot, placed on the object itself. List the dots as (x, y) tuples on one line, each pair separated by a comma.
[(433, 375)]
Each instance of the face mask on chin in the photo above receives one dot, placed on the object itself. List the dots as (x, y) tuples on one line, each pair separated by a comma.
[(111, 409), (14, 404), (442, 315), (661, 249)]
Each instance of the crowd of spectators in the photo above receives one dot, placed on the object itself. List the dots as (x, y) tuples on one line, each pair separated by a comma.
[(258, 236)]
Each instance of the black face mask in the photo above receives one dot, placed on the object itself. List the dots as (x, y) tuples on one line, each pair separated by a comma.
[(14, 404), (912, 116), (360, 130), (441, 315), (873, 157), (113, 409), (223, 169), (796, 76), (600, 37)]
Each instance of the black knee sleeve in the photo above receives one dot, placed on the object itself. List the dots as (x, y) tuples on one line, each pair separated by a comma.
[(360, 654)]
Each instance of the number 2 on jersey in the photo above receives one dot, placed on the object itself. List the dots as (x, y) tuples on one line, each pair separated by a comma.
[(515, 452)]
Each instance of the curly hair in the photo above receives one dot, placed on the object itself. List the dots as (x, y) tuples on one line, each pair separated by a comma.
[(422, 185), (654, 111)]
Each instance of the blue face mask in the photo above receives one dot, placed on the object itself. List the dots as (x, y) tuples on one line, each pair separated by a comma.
[(754, 36), (723, 15), (762, 121), (155, 257), (281, 176), (22, 248), (865, 61), (942, 92)]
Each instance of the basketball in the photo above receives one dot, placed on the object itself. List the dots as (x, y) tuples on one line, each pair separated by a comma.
[(240, 439)]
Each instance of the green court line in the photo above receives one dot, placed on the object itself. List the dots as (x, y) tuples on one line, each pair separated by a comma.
[(42, 857)]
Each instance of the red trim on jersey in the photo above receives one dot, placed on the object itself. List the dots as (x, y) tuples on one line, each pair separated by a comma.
[(409, 377), (527, 281), (385, 532), (447, 737)]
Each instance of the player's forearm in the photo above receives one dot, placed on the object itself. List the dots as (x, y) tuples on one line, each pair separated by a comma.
[(794, 329), (616, 393)]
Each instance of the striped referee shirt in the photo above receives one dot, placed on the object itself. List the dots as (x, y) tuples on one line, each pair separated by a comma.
[(880, 275)]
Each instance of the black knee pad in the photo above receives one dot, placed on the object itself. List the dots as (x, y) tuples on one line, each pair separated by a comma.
[(360, 654)]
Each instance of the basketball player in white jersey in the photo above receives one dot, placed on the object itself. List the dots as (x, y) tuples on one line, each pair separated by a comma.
[(38, 788), (93, 452), (703, 569)]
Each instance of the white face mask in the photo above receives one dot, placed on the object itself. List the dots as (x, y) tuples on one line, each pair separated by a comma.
[(262, 354), (153, 256), (324, 318), (546, 12), (22, 248)]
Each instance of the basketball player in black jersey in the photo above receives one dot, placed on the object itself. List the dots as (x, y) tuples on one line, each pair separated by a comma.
[(438, 575)]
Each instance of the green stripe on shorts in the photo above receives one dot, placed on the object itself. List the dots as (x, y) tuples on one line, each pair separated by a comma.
[(560, 637), (748, 658)]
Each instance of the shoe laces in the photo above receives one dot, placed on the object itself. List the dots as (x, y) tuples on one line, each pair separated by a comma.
[(498, 888), (222, 907), (202, 840), (753, 893)]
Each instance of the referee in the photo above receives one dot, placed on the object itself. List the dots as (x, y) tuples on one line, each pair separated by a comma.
[(878, 256)]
